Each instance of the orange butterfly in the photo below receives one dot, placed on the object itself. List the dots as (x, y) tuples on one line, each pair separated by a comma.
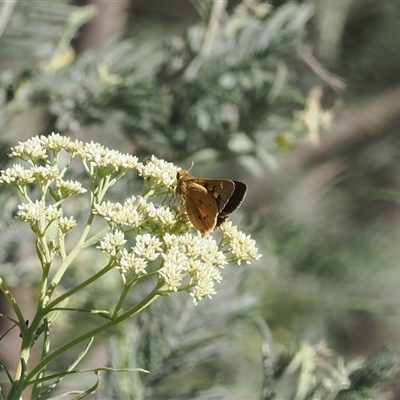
[(208, 202)]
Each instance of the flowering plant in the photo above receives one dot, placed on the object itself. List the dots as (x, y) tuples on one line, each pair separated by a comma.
[(140, 239)]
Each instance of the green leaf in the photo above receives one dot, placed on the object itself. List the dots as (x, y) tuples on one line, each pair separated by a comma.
[(60, 376)]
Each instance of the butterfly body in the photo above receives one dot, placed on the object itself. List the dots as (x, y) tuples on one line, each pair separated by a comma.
[(208, 202)]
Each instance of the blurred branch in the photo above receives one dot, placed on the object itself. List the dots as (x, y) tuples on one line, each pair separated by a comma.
[(110, 22), (357, 125), (63, 54), (269, 358), (335, 82), (208, 40), (5, 14)]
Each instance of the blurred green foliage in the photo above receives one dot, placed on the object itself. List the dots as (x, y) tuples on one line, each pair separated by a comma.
[(237, 95)]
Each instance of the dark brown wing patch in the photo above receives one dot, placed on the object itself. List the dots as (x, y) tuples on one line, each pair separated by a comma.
[(233, 203)]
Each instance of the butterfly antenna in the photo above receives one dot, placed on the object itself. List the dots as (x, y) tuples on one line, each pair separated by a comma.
[(147, 159), (191, 165)]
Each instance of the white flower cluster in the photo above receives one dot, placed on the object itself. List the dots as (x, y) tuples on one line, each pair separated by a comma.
[(183, 260), (163, 216), (43, 175), (195, 257), (31, 150), (131, 213), (69, 188), (137, 213), (36, 148), (34, 212), (94, 156), (66, 224), (130, 262), (162, 172), (101, 157), (147, 248), (188, 262), (17, 174), (112, 242), (46, 174), (55, 142), (242, 247)]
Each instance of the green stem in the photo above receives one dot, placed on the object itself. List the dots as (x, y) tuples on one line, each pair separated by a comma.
[(67, 346), (82, 285), (142, 305), (61, 245), (13, 303), (67, 261), (28, 335), (17, 386), (122, 298)]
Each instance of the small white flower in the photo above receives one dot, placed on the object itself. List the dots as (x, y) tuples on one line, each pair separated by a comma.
[(109, 211), (191, 245), (101, 157), (130, 262), (163, 216), (170, 240), (197, 257), (147, 247), (55, 142), (31, 212), (128, 161), (31, 150), (211, 254), (52, 213), (135, 210), (200, 271), (242, 247), (35, 212), (174, 268), (228, 230), (45, 174), (98, 155), (203, 289), (132, 213), (69, 188), (18, 174), (66, 224), (112, 241)]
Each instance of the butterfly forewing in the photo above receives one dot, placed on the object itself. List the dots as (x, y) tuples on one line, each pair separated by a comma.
[(221, 190)]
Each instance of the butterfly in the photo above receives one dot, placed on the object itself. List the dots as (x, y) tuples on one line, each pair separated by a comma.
[(208, 202)]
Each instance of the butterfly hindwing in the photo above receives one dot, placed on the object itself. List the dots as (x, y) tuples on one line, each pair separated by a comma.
[(233, 203)]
